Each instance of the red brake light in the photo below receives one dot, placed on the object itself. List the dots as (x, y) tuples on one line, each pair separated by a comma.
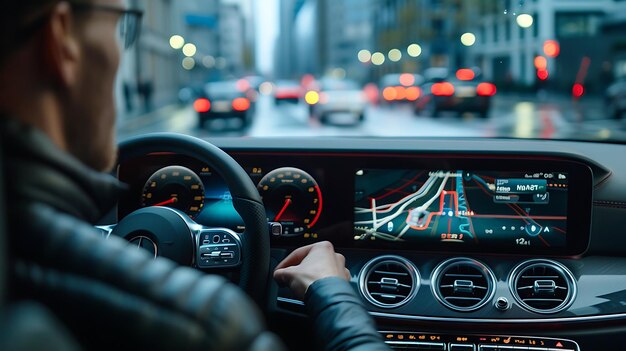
[(551, 48), (202, 105), (389, 93), (541, 62), (400, 93), (542, 74), (442, 89), (578, 90), (486, 89), (243, 85), (465, 74), (413, 93), (407, 79), (241, 104)]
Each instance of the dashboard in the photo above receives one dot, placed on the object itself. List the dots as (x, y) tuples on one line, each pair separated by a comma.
[(448, 249)]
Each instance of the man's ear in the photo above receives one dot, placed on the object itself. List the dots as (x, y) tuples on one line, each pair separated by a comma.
[(61, 56)]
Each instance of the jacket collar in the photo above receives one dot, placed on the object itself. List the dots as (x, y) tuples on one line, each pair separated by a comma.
[(36, 170)]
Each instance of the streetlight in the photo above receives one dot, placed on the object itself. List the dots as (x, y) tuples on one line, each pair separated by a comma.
[(468, 39), (378, 58), (177, 42), (394, 55), (524, 20), (189, 63), (189, 50), (414, 50), (364, 56)]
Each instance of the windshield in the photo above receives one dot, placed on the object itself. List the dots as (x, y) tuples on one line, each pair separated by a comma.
[(548, 69)]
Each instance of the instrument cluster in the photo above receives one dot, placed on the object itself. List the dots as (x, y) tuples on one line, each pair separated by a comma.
[(292, 196)]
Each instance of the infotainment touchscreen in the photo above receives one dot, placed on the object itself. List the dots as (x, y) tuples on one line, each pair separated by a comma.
[(465, 208)]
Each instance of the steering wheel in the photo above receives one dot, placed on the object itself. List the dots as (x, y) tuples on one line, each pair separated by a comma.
[(171, 233)]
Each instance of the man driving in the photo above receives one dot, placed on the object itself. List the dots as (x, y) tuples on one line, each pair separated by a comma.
[(58, 63)]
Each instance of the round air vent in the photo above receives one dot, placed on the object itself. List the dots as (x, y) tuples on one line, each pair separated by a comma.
[(463, 284), (389, 281), (543, 286)]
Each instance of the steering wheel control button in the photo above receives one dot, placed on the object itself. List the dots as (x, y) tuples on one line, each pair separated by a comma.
[(218, 248), (502, 304), (276, 229)]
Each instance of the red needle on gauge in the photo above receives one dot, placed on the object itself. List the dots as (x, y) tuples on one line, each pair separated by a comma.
[(282, 210), (167, 202)]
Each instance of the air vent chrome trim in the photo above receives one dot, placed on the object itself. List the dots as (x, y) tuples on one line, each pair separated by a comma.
[(436, 278), (567, 274), (369, 267)]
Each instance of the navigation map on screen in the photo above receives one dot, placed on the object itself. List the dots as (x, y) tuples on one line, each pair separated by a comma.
[(487, 208)]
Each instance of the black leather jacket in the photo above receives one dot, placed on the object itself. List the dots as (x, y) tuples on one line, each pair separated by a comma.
[(111, 295)]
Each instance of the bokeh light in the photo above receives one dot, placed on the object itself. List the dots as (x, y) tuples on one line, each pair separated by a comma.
[(524, 20), (378, 58), (266, 88), (541, 62), (414, 50), (312, 97), (177, 42), (551, 48), (189, 63), (364, 56), (465, 74), (394, 55), (542, 74), (189, 49), (468, 39), (578, 90), (407, 79), (413, 93), (389, 93)]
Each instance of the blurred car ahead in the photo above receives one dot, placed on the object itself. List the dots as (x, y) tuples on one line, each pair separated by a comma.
[(465, 92), (337, 96), (395, 88), (287, 91), (616, 99), (223, 100)]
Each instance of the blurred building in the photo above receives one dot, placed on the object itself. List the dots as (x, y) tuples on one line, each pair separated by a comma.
[(348, 29), (284, 50), (231, 32), (614, 31), (325, 37), (433, 25), (506, 51), (153, 71)]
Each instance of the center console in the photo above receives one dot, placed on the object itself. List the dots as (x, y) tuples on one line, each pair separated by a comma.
[(443, 342)]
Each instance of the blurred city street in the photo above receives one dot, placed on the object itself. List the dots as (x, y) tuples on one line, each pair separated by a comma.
[(394, 68), (509, 117)]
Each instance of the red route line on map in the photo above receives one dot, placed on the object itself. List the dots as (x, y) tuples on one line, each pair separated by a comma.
[(441, 201)]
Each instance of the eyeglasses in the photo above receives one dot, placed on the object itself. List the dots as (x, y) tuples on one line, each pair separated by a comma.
[(129, 22)]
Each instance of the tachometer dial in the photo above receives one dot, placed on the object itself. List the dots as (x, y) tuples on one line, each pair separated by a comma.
[(176, 187), (293, 198)]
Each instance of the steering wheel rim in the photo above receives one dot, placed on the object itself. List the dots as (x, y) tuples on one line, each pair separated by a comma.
[(254, 269)]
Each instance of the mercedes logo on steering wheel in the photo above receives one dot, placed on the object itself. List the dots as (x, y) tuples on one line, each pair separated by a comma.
[(143, 242)]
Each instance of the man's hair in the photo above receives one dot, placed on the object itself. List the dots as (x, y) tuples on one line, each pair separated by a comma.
[(18, 21)]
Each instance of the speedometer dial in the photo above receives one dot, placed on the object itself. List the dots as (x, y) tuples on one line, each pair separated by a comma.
[(176, 187), (293, 198)]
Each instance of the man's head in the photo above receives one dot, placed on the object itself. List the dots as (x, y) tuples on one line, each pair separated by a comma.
[(58, 62)]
